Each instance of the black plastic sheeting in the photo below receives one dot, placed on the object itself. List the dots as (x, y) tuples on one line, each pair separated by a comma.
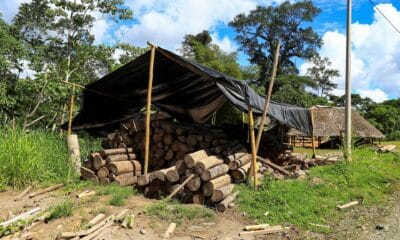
[(186, 90)]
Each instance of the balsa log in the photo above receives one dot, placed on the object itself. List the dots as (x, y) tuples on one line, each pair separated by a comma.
[(192, 158), (223, 205), (207, 163), (114, 151), (214, 172), (235, 164), (209, 187), (194, 184), (221, 193), (126, 179), (120, 157), (103, 172), (97, 161)]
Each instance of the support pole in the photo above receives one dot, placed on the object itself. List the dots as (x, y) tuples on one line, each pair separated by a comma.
[(148, 109), (253, 167), (348, 85), (312, 133), (268, 97)]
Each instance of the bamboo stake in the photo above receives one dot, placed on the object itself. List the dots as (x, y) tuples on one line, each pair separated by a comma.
[(268, 97), (148, 108), (71, 110), (312, 132), (253, 148)]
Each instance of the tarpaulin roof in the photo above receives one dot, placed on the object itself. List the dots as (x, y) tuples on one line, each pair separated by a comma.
[(186, 90)]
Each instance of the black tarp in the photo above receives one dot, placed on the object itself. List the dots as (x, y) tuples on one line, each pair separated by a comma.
[(186, 90)]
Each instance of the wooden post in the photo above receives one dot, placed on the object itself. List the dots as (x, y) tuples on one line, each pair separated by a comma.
[(71, 110), (148, 109), (253, 167), (268, 97), (312, 133)]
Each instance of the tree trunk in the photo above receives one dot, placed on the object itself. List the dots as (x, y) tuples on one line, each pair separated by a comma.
[(209, 187), (214, 172)]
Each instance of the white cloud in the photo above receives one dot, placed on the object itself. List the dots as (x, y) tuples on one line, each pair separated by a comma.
[(9, 8), (375, 54), (165, 22), (375, 94), (225, 43)]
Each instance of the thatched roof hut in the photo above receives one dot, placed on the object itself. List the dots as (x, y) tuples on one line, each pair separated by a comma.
[(329, 122)]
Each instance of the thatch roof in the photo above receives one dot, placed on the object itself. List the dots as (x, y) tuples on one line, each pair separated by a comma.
[(329, 122)]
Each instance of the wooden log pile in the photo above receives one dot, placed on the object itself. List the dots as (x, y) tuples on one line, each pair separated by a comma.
[(171, 141), (119, 165), (209, 181)]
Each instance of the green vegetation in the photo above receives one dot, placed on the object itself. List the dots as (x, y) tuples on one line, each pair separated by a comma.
[(37, 156), (63, 209), (369, 178), (118, 193), (178, 213)]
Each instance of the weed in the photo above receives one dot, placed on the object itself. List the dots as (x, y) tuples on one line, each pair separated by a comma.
[(35, 156), (178, 213), (118, 193), (63, 209)]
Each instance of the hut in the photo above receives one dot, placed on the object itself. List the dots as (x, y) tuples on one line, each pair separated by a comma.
[(329, 126)]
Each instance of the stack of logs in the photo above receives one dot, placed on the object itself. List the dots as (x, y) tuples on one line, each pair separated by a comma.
[(118, 165), (198, 178), (171, 141)]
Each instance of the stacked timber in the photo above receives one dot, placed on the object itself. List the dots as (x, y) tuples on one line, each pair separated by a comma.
[(171, 141), (119, 165), (205, 178)]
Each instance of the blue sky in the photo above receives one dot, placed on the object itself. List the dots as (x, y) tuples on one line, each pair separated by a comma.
[(375, 46)]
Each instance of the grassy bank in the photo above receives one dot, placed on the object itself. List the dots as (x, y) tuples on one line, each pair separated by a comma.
[(38, 156), (369, 178)]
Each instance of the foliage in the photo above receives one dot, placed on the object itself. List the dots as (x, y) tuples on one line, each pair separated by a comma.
[(178, 213), (259, 31), (368, 178), (321, 74), (38, 156), (63, 209), (88, 144), (118, 193)]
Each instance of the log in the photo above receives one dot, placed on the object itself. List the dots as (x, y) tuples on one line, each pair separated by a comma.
[(88, 164), (104, 181), (121, 157), (23, 193), (235, 164), (221, 193), (170, 230), (87, 173), (192, 158), (180, 167), (214, 172), (235, 156), (120, 217), (240, 174), (256, 227), (182, 139), (143, 180), (175, 146), (194, 184), (22, 216), (158, 138), (169, 155), (86, 193), (347, 205), (103, 172), (126, 179), (95, 221), (180, 187), (269, 230), (209, 187), (223, 205), (274, 166), (49, 189), (167, 139), (121, 167), (97, 161), (199, 198), (192, 140), (172, 175), (207, 163)]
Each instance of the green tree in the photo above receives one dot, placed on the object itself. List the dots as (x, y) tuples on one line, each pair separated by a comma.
[(259, 31), (322, 75)]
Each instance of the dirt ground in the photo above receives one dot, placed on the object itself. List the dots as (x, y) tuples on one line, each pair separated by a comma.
[(357, 223), (226, 225)]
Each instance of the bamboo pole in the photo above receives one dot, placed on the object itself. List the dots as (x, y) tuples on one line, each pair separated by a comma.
[(253, 167), (71, 110), (312, 133), (148, 109), (268, 97)]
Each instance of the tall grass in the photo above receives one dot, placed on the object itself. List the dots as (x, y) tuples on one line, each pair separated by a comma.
[(37, 156)]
